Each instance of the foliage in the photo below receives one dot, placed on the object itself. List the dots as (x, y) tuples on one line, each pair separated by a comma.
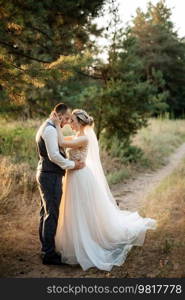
[(40, 43), (163, 55), (48, 55), (124, 101)]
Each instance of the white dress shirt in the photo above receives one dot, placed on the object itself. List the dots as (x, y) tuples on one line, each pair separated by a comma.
[(50, 137)]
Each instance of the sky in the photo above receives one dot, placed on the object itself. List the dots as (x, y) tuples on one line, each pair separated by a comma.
[(127, 9)]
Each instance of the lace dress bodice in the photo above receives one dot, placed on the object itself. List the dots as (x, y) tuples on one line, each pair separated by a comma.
[(77, 153)]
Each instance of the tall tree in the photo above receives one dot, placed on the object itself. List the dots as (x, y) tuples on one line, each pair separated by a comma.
[(123, 99), (37, 36), (163, 53)]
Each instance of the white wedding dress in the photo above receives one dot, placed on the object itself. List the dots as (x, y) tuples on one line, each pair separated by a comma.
[(92, 231)]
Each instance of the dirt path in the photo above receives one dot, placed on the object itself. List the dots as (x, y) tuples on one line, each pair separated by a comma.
[(130, 196)]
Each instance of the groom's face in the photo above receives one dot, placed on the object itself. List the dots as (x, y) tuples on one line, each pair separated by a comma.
[(64, 118)]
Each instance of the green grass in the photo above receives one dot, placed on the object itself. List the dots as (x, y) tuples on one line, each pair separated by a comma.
[(118, 176), (17, 141), (149, 150), (19, 144), (159, 140)]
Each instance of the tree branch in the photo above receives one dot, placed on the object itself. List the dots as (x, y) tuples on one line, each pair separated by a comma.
[(87, 75), (39, 30), (17, 67), (21, 53)]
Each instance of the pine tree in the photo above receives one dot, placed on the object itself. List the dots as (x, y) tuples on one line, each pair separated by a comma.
[(121, 101), (163, 53), (38, 42)]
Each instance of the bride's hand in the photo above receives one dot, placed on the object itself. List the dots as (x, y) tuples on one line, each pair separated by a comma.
[(54, 117)]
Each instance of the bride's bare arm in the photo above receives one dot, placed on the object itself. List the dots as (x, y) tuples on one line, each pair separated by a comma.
[(78, 142), (73, 143), (68, 138), (68, 143)]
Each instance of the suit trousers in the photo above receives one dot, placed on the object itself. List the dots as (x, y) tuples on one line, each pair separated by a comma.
[(50, 187)]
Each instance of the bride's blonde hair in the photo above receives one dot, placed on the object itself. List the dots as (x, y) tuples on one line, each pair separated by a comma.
[(83, 117)]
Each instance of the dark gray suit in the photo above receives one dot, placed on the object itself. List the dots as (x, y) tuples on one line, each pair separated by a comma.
[(49, 179)]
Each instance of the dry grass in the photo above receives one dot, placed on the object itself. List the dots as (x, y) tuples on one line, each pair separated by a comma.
[(19, 212), (19, 241), (161, 256), (167, 205), (17, 181)]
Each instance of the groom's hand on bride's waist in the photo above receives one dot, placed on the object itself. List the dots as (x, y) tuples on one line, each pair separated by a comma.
[(78, 165)]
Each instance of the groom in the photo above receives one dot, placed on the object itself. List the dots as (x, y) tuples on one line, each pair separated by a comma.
[(51, 168)]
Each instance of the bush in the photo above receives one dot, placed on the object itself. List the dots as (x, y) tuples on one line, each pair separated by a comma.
[(123, 150)]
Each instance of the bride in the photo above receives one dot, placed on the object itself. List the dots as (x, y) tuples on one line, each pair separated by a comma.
[(92, 231)]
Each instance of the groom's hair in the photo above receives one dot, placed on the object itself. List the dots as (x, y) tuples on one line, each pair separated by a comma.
[(61, 108)]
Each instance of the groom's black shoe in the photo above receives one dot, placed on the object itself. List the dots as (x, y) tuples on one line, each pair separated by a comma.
[(52, 259)]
